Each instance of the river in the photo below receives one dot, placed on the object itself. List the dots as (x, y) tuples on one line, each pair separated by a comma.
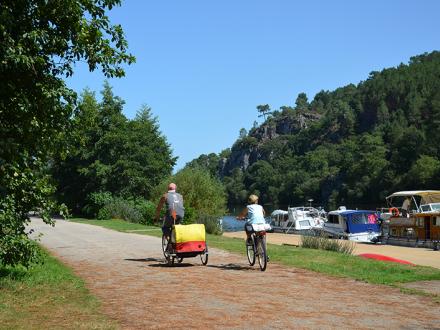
[(230, 223)]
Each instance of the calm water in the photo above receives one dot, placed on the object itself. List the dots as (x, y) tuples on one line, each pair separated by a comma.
[(232, 224)]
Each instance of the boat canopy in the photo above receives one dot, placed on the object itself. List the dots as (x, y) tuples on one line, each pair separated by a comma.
[(360, 221), (427, 196), (278, 212)]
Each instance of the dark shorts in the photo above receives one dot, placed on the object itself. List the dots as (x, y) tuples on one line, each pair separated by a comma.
[(166, 231), (166, 228)]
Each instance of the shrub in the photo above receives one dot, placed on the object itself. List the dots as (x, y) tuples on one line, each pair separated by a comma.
[(146, 208), (322, 242), (120, 208), (190, 215), (95, 202), (212, 224), (102, 205), (202, 194)]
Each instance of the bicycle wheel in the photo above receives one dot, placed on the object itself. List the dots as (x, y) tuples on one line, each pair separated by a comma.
[(204, 257), (164, 246), (250, 250), (170, 260), (261, 251)]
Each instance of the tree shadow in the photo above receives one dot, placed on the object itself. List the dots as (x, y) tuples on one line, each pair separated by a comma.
[(232, 267), (14, 273)]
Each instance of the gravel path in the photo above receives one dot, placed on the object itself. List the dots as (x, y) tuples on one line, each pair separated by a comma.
[(127, 272)]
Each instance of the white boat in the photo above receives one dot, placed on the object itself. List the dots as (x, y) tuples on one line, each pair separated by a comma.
[(297, 219), (354, 225)]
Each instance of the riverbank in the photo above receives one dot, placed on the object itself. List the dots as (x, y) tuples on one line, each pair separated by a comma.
[(418, 256)]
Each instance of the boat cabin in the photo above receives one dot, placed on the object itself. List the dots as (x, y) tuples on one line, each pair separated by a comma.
[(416, 224), (297, 219), (355, 225)]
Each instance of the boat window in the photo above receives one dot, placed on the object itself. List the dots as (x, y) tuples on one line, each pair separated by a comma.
[(436, 221), (426, 208), (363, 218), (333, 218), (304, 223)]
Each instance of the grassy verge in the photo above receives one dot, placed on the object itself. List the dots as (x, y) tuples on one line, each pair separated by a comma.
[(47, 296), (327, 262)]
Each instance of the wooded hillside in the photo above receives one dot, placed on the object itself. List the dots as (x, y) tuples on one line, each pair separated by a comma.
[(350, 146)]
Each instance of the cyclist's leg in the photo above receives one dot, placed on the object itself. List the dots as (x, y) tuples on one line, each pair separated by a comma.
[(248, 234), (166, 231), (265, 245)]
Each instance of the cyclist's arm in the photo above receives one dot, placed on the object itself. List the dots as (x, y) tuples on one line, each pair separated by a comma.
[(243, 214), (159, 208)]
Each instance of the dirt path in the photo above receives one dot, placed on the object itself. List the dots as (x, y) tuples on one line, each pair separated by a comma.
[(126, 271), (418, 256)]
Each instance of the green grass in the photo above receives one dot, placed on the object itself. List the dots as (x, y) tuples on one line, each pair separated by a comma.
[(326, 262), (47, 296), (121, 225)]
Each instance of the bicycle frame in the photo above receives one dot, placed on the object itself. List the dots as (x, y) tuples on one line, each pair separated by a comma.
[(259, 249)]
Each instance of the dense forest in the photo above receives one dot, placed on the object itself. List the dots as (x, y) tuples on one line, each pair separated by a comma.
[(60, 153), (115, 167), (351, 146)]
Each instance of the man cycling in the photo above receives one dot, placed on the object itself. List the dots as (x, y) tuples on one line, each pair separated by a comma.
[(174, 209)]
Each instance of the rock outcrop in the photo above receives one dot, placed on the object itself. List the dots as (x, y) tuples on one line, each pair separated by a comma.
[(250, 149)]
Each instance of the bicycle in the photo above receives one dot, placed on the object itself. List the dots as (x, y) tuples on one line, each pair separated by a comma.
[(171, 254), (256, 246)]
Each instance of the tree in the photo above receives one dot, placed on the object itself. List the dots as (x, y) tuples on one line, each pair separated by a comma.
[(301, 102), (40, 42), (263, 109), (203, 194), (210, 163), (243, 133), (111, 153)]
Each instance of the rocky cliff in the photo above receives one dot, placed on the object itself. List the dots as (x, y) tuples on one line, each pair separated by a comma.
[(255, 146)]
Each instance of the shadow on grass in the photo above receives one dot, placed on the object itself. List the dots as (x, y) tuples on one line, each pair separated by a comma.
[(13, 273), (232, 267)]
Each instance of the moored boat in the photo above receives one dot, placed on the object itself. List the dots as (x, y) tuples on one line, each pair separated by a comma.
[(413, 218), (354, 225), (297, 219)]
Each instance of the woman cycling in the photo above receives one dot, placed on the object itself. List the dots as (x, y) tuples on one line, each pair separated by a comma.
[(253, 214)]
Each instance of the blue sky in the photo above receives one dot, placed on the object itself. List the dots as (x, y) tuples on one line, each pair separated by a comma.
[(204, 66)]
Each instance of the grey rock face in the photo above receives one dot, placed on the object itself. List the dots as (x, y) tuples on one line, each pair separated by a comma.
[(244, 155)]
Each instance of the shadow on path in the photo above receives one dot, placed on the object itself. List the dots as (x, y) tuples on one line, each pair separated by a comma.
[(160, 262), (175, 265), (231, 267), (145, 259)]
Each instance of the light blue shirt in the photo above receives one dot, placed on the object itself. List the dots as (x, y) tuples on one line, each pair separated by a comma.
[(255, 214)]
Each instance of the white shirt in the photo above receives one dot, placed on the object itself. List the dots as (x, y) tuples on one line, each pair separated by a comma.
[(255, 214)]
